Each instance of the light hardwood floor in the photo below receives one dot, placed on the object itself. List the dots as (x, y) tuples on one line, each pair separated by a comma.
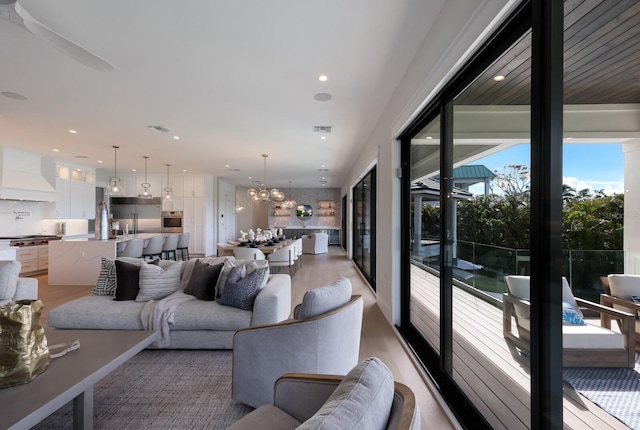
[(378, 336)]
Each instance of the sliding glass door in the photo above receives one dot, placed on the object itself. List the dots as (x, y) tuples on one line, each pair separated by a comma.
[(364, 226)]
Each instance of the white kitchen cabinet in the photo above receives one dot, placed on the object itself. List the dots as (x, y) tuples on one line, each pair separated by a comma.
[(33, 259), (194, 223), (133, 184), (176, 182), (76, 188), (193, 186)]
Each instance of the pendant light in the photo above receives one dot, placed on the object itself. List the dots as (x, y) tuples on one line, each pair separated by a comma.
[(146, 194), (115, 188), (168, 192), (264, 194), (289, 203)]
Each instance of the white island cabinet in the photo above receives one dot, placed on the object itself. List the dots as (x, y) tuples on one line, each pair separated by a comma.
[(78, 261)]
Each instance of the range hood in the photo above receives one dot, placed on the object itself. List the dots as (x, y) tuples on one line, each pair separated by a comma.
[(23, 176)]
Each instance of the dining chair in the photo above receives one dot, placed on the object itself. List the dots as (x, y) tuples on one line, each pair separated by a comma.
[(131, 248), (153, 248), (283, 257), (170, 246), (247, 253), (183, 245)]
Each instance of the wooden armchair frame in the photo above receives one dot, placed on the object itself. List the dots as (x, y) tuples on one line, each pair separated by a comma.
[(579, 357), (605, 320)]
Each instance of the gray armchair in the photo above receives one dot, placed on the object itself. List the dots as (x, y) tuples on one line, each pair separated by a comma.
[(322, 339), (305, 399)]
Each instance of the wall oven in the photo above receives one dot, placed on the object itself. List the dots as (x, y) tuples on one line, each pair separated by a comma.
[(172, 222)]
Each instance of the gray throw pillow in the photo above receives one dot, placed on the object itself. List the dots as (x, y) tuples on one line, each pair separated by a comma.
[(157, 282), (245, 267), (9, 272), (241, 292), (106, 283), (202, 283), (362, 401), (324, 299)]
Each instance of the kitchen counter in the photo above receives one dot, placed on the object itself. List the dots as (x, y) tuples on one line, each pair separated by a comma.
[(78, 261)]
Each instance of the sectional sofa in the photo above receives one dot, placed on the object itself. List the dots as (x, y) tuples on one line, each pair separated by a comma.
[(193, 323)]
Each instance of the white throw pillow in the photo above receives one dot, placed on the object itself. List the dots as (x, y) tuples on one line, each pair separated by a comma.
[(157, 282), (9, 272)]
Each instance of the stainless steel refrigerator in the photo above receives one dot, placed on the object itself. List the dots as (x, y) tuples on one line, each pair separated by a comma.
[(140, 215)]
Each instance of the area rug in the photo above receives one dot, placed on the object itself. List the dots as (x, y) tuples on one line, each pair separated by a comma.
[(616, 390), (162, 390)]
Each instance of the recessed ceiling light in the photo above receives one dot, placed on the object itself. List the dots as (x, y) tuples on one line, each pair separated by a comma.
[(498, 78), (14, 96), (72, 131), (429, 137), (226, 165), (249, 177), (133, 170), (323, 137), (184, 170), (56, 150), (176, 137), (322, 97), (323, 165), (99, 161), (323, 78)]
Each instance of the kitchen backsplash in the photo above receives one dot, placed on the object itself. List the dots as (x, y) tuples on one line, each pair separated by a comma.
[(27, 218)]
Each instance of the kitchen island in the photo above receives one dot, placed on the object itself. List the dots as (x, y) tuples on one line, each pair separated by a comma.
[(78, 261)]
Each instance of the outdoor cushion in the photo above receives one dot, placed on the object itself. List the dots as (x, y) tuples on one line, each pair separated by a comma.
[(589, 336), (324, 299)]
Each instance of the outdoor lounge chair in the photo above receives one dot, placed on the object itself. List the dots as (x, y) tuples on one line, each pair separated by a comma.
[(621, 288), (584, 345)]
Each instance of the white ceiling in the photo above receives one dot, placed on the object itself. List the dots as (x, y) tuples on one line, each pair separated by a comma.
[(233, 78)]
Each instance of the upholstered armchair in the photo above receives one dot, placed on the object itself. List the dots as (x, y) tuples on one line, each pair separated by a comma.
[(367, 397), (324, 337), (315, 243), (12, 287)]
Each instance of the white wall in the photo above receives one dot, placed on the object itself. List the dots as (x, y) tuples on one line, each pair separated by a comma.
[(35, 223), (226, 211), (460, 23)]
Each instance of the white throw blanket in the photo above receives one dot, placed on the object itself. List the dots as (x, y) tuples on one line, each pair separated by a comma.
[(158, 314)]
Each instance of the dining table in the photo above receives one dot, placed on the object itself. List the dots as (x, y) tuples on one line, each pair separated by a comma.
[(227, 248)]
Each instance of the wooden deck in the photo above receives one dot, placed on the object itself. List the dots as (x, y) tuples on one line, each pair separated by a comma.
[(491, 372)]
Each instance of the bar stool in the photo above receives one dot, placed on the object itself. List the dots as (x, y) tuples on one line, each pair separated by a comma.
[(169, 246), (153, 248), (183, 245), (131, 248)]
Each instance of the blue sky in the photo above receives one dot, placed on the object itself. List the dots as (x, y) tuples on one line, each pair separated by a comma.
[(586, 165)]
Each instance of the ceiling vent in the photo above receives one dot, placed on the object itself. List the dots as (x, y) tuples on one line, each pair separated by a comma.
[(322, 129), (159, 128), (323, 170)]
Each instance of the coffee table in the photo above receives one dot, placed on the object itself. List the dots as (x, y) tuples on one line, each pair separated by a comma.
[(71, 377)]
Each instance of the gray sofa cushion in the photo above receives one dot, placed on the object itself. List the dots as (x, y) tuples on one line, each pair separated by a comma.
[(9, 272), (361, 401), (202, 315), (266, 417), (324, 299), (96, 313)]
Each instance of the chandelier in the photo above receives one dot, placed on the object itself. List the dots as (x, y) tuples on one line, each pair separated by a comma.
[(168, 192), (289, 203), (263, 194), (146, 194), (115, 188)]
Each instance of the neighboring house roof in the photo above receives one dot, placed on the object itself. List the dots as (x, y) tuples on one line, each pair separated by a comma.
[(431, 187), (471, 171)]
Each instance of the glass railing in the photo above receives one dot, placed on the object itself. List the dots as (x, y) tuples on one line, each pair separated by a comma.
[(483, 267)]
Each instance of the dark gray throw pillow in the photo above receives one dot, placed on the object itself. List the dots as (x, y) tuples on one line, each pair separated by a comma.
[(127, 278), (241, 292), (202, 283)]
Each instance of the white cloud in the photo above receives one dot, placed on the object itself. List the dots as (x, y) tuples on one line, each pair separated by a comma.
[(609, 187)]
